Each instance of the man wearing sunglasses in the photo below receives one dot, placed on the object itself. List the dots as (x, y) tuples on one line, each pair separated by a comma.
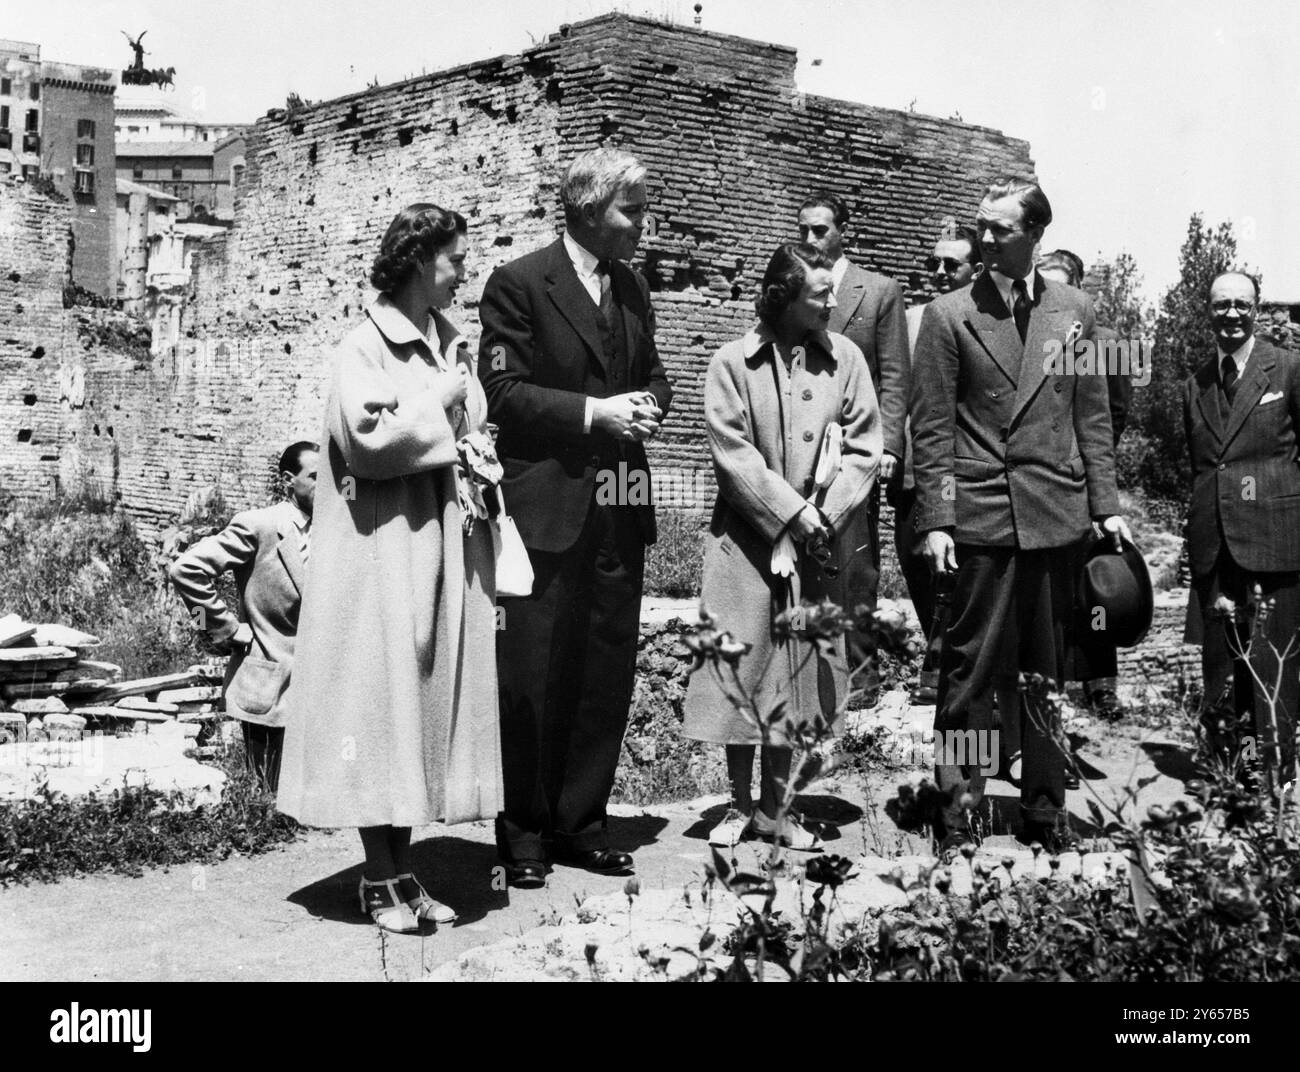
[(869, 311), (1241, 411)]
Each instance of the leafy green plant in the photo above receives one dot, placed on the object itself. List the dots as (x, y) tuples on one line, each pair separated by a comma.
[(674, 564)]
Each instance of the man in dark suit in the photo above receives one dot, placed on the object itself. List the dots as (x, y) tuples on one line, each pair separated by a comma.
[(869, 310), (573, 379), (267, 551), (1013, 461), (1242, 415)]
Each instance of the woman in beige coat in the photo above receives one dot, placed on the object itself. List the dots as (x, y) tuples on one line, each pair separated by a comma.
[(769, 400), (393, 706)]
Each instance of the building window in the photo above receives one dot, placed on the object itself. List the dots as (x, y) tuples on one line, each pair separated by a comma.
[(5, 167), (30, 171), (35, 91), (84, 182), (6, 86), (33, 120), (6, 139), (85, 128), (137, 172), (4, 117), (85, 156), (31, 142), (176, 173), (132, 130)]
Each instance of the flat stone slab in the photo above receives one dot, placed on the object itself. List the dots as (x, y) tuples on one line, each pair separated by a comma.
[(99, 764), (138, 703), (195, 694)]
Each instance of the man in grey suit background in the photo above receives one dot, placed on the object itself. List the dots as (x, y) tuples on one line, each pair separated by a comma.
[(952, 264), (1241, 411), (869, 310), (267, 550), (1013, 461)]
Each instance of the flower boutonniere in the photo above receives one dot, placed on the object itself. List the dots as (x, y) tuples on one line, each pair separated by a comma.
[(1074, 334)]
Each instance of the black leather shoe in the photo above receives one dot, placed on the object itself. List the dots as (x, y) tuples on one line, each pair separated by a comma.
[(526, 874), (601, 861)]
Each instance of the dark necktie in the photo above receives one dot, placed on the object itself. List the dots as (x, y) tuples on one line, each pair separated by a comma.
[(606, 290), (1230, 378), (1020, 308)]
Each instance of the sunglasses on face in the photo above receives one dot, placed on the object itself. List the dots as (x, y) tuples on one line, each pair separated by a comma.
[(1237, 306), (951, 265)]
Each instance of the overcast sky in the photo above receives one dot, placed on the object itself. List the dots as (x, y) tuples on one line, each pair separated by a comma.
[(1138, 112)]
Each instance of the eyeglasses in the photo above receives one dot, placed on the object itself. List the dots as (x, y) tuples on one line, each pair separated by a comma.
[(1236, 306), (951, 265)]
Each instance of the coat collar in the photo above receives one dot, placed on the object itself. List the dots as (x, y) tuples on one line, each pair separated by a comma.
[(760, 335), (399, 331)]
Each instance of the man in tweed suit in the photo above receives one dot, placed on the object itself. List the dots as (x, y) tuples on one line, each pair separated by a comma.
[(1013, 461), (1241, 411), (869, 310)]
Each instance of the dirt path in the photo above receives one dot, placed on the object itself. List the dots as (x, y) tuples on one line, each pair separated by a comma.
[(291, 914)]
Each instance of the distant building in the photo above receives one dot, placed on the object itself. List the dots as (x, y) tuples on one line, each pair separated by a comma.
[(149, 118), (160, 147), (56, 122), (228, 165)]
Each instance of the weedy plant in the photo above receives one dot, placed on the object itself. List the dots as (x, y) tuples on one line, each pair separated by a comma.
[(53, 837), (1205, 889)]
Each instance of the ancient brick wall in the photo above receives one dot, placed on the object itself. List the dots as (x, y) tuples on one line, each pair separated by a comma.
[(35, 252), (732, 148)]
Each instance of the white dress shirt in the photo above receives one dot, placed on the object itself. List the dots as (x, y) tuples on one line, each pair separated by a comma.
[(838, 270), (1004, 283), (584, 263), (1241, 356)]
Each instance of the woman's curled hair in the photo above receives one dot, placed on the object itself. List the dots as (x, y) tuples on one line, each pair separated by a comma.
[(783, 281), (415, 235)]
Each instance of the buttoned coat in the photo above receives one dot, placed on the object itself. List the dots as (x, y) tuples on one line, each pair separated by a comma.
[(261, 548), (1011, 449), (393, 710), (1245, 469), (765, 440)]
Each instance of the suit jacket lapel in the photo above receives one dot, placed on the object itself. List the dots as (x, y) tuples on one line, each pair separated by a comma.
[(848, 297), (573, 301), (1033, 366), (1250, 390), (992, 323), (288, 548), (1207, 398)]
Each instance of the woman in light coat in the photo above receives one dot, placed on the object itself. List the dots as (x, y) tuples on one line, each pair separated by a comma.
[(393, 703), (769, 399)]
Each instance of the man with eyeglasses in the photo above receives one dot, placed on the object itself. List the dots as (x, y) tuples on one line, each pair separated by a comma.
[(869, 310), (1013, 463), (1241, 411)]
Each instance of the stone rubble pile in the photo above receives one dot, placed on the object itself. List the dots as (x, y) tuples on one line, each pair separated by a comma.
[(52, 689)]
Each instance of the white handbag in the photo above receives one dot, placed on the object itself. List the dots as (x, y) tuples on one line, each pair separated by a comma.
[(514, 569)]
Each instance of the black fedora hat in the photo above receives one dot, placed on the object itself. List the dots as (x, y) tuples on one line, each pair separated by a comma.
[(1119, 585)]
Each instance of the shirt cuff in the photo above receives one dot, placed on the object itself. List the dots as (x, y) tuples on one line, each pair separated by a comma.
[(586, 419)]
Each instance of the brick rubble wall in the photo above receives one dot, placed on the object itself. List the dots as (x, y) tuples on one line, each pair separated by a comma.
[(732, 149)]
